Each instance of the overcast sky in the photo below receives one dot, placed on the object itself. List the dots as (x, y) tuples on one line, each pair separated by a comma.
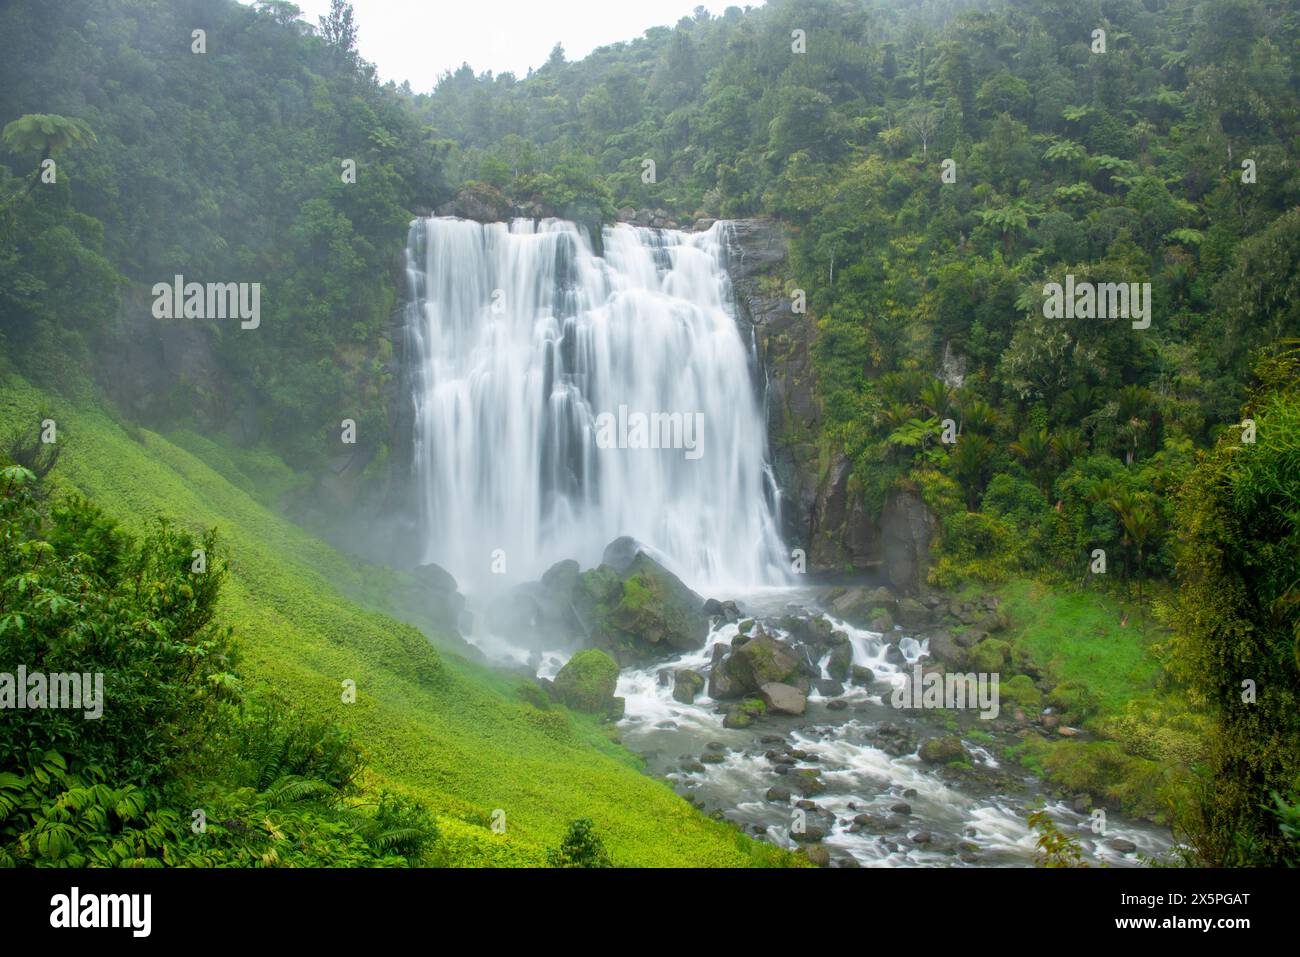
[(417, 40)]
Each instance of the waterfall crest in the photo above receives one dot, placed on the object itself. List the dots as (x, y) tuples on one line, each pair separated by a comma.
[(541, 375)]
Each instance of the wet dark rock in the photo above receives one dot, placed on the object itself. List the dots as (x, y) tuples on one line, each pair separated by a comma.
[(778, 793), (862, 676), (1121, 845), (807, 781), (687, 684), (479, 202), (893, 740), (811, 834), (839, 704), (721, 686), (841, 661)]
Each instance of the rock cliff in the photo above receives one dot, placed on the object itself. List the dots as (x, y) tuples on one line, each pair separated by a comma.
[(822, 510)]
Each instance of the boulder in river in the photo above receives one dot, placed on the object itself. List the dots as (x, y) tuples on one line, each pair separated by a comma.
[(721, 686), (760, 660), (687, 683), (841, 660), (944, 749), (783, 698)]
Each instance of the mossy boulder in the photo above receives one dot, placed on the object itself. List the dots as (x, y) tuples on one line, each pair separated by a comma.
[(637, 610), (587, 682), (860, 605), (943, 750), (990, 655), (743, 713), (759, 661), (1020, 692)]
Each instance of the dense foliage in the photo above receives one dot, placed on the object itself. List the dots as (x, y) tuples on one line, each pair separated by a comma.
[(220, 166), (177, 768), (1238, 627)]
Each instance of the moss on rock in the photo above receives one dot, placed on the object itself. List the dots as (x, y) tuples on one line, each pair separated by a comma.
[(587, 681)]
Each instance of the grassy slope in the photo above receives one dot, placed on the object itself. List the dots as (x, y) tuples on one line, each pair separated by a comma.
[(435, 725), (1079, 637), (1148, 735)]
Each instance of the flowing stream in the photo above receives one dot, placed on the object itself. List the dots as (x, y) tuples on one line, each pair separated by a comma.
[(533, 357), (880, 807)]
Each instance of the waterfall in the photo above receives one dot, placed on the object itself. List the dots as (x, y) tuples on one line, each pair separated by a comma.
[(563, 399)]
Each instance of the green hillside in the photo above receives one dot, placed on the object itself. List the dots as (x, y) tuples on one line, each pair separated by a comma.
[(436, 726)]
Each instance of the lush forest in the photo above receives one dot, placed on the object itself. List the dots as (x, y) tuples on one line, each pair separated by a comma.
[(936, 166)]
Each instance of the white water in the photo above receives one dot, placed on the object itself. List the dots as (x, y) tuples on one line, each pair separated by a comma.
[(523, 337), (860, 777)]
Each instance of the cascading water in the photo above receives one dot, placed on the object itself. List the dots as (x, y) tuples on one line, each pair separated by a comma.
[(543, 372)]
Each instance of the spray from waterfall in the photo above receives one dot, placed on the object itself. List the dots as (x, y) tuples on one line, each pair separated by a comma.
[(564, 399)]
